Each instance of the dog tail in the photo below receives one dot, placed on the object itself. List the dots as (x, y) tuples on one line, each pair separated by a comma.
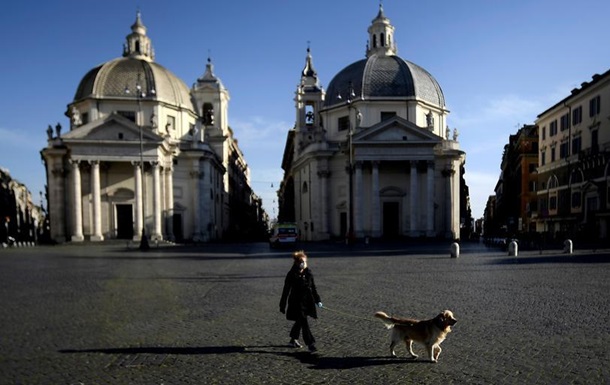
[(386, 319)]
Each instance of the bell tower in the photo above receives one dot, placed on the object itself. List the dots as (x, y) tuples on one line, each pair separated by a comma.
[(212, 101), (309, 100)]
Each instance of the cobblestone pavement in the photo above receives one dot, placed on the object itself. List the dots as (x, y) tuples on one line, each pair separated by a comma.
[(104, 314)]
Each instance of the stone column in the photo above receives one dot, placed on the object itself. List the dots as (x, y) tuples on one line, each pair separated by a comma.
[(455, 203), (156, 201), (430, 200), (77, 203), (163, 203), (376, 203), (358, 209), (139, 220), (96, 201), (414, 200), (169, 196)]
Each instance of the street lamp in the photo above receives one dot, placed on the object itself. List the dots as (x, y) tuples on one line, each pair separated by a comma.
[(140, 94), (350, 170)]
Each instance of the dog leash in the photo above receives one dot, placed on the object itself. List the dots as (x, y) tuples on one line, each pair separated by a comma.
[(346, 314)]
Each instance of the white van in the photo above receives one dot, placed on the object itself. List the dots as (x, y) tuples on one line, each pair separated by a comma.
[(284, 234)]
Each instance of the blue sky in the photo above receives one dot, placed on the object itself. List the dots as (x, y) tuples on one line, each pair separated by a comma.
[(499, 63)]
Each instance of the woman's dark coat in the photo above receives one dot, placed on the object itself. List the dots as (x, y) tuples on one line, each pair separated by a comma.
[(301, 294)]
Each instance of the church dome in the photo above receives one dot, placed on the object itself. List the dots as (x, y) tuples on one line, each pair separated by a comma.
[(136, 68), (381, 76), (383, 73), (111, 79)]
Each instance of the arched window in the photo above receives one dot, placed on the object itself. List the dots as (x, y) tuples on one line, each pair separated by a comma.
[(304, 190), (137, 46), (208, 114), (576, 177), (553, 182), (381, 39), (310, 115), (374, 41)]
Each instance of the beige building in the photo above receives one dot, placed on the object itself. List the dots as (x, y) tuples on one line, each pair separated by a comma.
[(373, 155), (573, 165), (145, 153)]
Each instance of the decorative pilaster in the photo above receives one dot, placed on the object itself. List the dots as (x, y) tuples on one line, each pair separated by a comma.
[(323, 176), (169, 196), (414, 199), (449, 173), (358, 200), (195, 176), (430, 200), (375, 204)]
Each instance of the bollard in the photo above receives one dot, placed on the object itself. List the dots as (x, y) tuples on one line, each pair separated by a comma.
[(568, 247), (455, 250), (513, 249)]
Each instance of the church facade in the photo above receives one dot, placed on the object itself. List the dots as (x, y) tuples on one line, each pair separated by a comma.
[(146, 155), (373, 155)]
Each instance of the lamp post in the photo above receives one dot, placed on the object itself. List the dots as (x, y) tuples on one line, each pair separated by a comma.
[(140, 94), (350, 169)]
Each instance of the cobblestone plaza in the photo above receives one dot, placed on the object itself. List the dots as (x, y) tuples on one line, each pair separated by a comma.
[(107, 314)]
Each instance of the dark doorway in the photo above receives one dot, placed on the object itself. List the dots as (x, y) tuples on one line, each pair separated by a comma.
[(124, 221), (177, 222), (343, 224), (391, 220)]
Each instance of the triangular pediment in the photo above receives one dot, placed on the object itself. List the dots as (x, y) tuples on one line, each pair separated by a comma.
[(111, 128), (396, 130)]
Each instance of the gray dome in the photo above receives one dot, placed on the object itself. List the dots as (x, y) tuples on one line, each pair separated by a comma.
[(110, 79), (385, 76)]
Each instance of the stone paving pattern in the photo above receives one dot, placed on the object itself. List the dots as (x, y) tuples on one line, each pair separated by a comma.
[(105, 314)]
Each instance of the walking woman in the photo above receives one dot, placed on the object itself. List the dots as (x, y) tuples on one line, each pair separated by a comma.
[(302, 297)]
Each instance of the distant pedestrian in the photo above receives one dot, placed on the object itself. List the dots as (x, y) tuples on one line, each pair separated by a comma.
[(302, 297)]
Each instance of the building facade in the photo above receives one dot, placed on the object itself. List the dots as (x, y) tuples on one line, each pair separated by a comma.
[(146, 155), (574, 164), (515, 191), (372, 156), (21, 220)]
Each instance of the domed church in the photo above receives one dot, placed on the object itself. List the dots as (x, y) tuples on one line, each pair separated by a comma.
[(372, 156), (147, 156)]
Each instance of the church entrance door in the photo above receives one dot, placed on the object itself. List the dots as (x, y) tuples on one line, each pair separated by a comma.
[(177, 224), (124, 221), (391, 220)]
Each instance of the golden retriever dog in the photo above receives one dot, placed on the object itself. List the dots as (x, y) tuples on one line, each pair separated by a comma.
[(430, 332)]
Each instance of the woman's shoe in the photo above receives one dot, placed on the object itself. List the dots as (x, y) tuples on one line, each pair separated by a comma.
[(312, 348), (295, 344)]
